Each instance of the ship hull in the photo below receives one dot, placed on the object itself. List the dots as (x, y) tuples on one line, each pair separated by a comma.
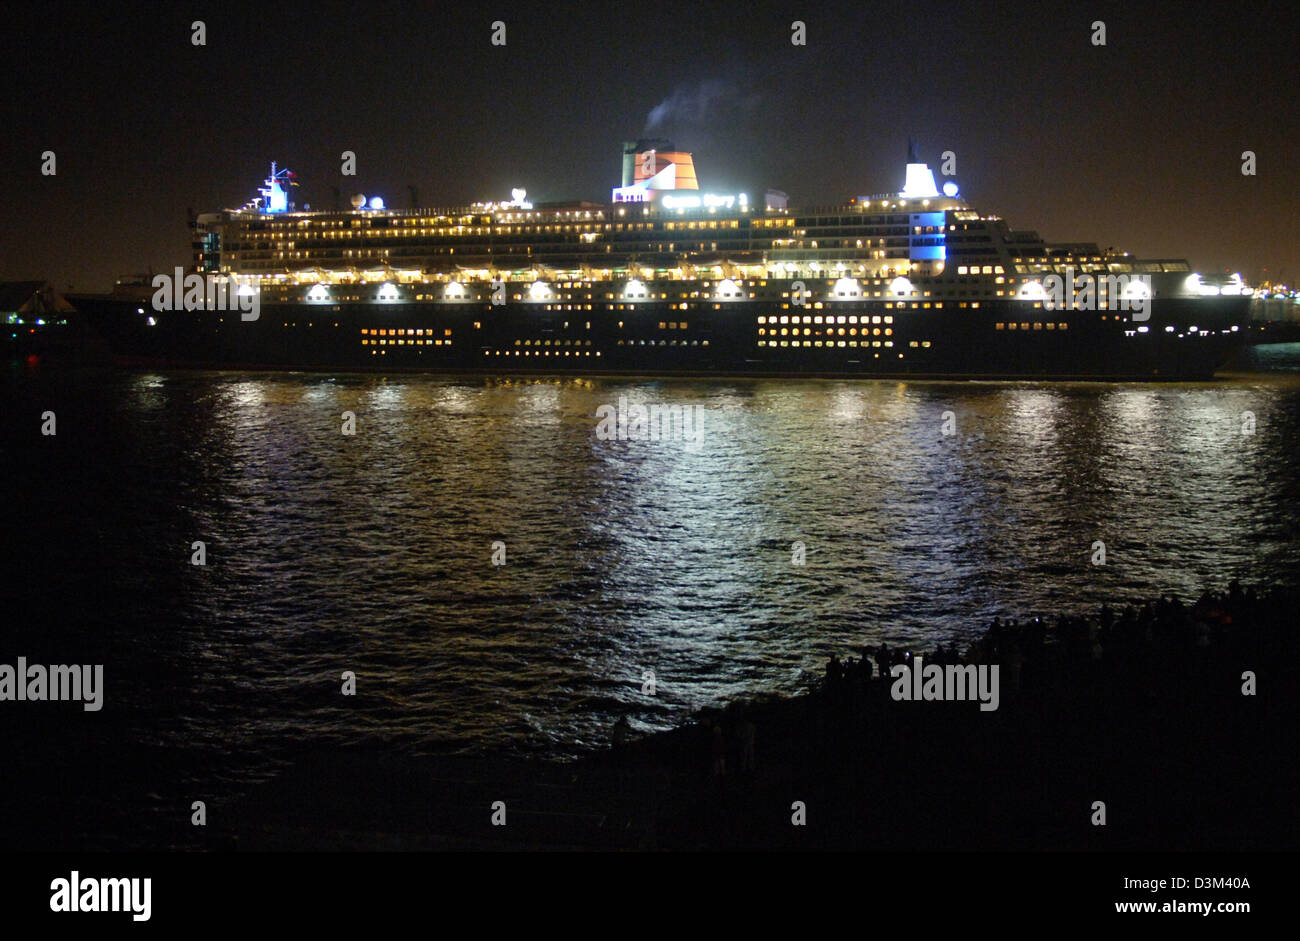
[(1184, 339)]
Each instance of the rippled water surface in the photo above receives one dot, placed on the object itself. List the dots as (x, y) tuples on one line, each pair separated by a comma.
[(373, 552)]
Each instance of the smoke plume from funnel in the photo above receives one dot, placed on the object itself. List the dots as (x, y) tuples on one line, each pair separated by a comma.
[(694, 104)]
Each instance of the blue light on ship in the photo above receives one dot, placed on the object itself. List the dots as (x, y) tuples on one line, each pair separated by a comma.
[(928, 246), (274, 193)]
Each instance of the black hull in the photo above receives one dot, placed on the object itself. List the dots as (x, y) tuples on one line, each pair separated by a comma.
[(950, 343)]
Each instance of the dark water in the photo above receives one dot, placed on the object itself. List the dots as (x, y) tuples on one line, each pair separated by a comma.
[(373, 552)]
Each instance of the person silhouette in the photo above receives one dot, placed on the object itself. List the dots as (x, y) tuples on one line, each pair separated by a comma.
[(746, 732), (619, 737)]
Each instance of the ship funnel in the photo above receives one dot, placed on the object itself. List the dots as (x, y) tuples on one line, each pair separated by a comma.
[(919, 182), (652, 165), (629, 161), (633, 150)]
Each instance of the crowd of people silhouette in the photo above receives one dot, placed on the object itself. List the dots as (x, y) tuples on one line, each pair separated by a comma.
[(1139, 637)]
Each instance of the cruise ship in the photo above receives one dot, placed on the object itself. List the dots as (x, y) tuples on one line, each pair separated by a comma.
[(664, 278)]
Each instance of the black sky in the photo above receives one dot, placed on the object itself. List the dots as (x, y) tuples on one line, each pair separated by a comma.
[(1137, 144)]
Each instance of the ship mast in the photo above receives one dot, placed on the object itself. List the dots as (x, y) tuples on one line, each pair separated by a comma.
[(277, 198)]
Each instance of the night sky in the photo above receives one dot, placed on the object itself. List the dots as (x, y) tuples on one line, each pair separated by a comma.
[(1136, 144)]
